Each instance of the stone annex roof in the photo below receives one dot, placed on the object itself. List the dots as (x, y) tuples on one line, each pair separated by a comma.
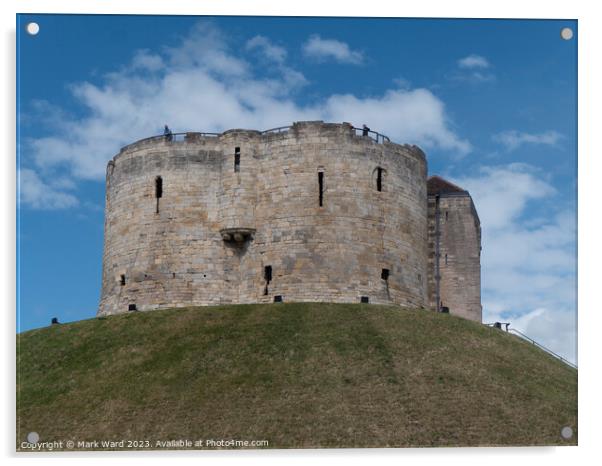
[(437, 185)]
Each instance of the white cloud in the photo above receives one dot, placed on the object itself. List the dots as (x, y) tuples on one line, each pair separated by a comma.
[(206, 48), (33, 192), (402, 83), (502, 192), (331, 49), (275, 54), (471, 77), (412, 116), (201, 84), (473, 61), (145, 60), (528, 267), (269, 50), (513, 139), (477, 77), (472, 69)]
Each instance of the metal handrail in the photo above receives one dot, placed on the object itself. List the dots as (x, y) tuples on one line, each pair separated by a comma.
[(378, 137), (280, 129), (175, 137), (374, 135), (547, 350)]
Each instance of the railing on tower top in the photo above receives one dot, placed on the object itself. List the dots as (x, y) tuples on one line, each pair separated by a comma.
[(375, 136), (379, 138), (280, 129), (174, 137)]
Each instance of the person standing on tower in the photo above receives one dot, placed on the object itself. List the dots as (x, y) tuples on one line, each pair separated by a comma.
[(167, 133)]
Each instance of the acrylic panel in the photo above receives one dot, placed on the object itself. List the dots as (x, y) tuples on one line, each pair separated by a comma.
[(281, 232)]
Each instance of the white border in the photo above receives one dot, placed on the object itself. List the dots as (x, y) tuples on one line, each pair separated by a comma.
[(590, 153)]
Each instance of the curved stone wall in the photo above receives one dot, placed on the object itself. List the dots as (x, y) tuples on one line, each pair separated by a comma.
[(249, 228)]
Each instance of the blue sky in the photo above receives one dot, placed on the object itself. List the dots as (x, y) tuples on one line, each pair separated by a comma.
[(492, 103)]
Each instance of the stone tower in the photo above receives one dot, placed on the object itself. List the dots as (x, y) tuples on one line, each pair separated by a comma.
[(454, 232), (310, 212)]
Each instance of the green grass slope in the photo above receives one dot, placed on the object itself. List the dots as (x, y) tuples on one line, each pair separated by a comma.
[(296, 375)]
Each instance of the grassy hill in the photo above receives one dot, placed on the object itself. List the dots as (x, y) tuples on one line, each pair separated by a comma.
[(296, 375)]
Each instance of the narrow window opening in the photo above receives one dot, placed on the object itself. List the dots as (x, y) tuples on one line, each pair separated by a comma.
[(267, 275), (122, 280), (384, 274), (379, 179), (365, 299), (278, 299), (446, 259), (446, 215), (132, 307), (237, 159), (321, 187), (158, 187), (158, 191)]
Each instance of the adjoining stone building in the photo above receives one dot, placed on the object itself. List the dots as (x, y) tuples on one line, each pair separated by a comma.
[(311, 212), (454, 232)]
